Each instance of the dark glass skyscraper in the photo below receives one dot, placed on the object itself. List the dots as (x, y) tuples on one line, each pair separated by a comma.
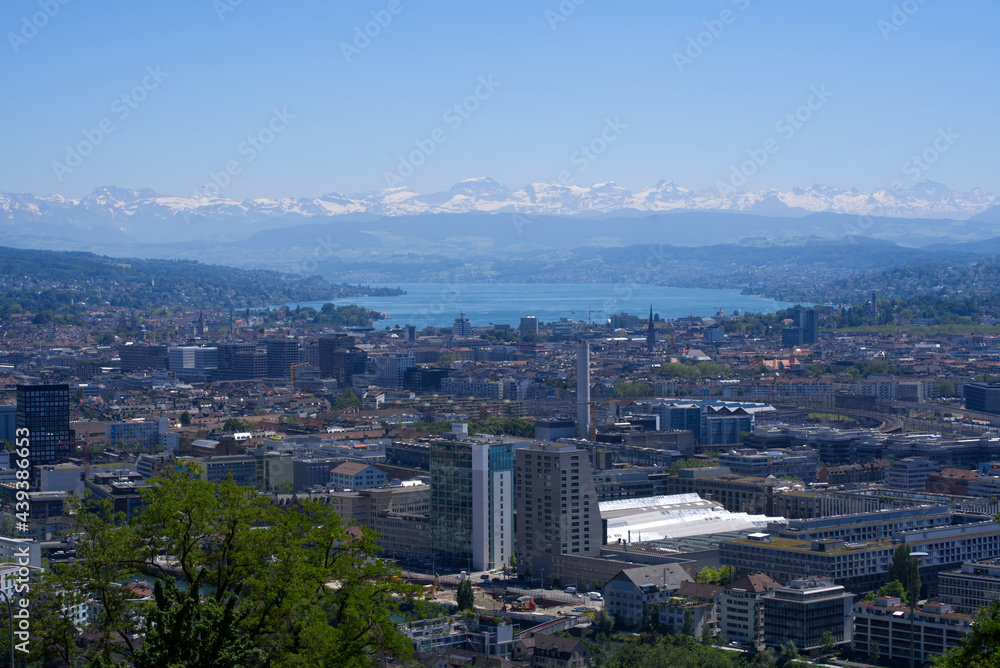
[(44, 411)]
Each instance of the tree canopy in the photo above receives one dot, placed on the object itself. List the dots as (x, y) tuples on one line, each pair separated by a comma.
[(294, 581)]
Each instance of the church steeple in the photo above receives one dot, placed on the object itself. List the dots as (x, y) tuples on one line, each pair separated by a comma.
[(651, 334)]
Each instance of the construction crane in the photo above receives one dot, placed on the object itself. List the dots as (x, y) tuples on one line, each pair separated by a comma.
[(291, 370)]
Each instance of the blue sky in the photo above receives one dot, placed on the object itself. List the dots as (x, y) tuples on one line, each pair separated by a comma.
[(227, 67)]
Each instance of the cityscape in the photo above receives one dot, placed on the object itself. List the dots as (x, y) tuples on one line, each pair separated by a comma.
[(500, 335)]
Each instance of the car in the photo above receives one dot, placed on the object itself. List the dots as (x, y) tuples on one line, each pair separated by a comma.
[(596, 596), (570, 590)]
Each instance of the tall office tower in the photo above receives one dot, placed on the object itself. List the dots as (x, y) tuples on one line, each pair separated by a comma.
[(328, 346), (194, 364), (136, 356), (529, 325), (231, 365), (583, 389), (281, 355), (651, 333), (557, 509), (44, 411), (462, 326), (472, 502), (411, 333), (804, 329)]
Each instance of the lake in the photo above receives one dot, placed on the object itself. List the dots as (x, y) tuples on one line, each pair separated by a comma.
[(438, 304)]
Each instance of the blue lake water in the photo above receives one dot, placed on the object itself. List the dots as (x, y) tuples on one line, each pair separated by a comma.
[(438, 304)]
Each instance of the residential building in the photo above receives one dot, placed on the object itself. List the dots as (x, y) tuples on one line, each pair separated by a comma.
[(357, 475), (936, 628), (472, 503), (556, 652), (861, 566), (951, 481), (628, 594), (140, 434), (741, 609), (803, 611), (975, 585), (910, 473), (44, 411), (241, 468), (557, 506), (700, 601)]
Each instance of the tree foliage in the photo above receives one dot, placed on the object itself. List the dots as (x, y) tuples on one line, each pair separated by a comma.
[(981, 647), (293, 580), (465, 598)]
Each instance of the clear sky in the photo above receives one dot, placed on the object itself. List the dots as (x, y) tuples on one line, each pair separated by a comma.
[(897, 72)]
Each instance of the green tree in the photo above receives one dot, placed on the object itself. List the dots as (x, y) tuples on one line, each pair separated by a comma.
[(874, 651), (185, 629), (829, 642), (185, 419), (346, 400), (687, 628), (764, 659), (232, 425), (899, 567), (981, 647), (307, 591), (465, 598), (946, 388), (789, 652)]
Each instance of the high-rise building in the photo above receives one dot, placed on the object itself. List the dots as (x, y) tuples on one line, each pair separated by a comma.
[(804, 329), (328, 347), (529, 325), (411, 333), (194, 363), (346, 363), (241, 361), (281, 355), (983, 397), (557, 508), (44, 411), (472, 502), (462, 326), (137, 356), (390, 369), (8, 423)]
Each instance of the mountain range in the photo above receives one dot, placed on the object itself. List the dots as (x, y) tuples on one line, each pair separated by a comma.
[(138, 213)]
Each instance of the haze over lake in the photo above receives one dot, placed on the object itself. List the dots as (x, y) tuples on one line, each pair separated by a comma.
[(438, 304)]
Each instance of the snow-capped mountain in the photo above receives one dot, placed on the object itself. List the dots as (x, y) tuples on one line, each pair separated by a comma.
[(144, 212)]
